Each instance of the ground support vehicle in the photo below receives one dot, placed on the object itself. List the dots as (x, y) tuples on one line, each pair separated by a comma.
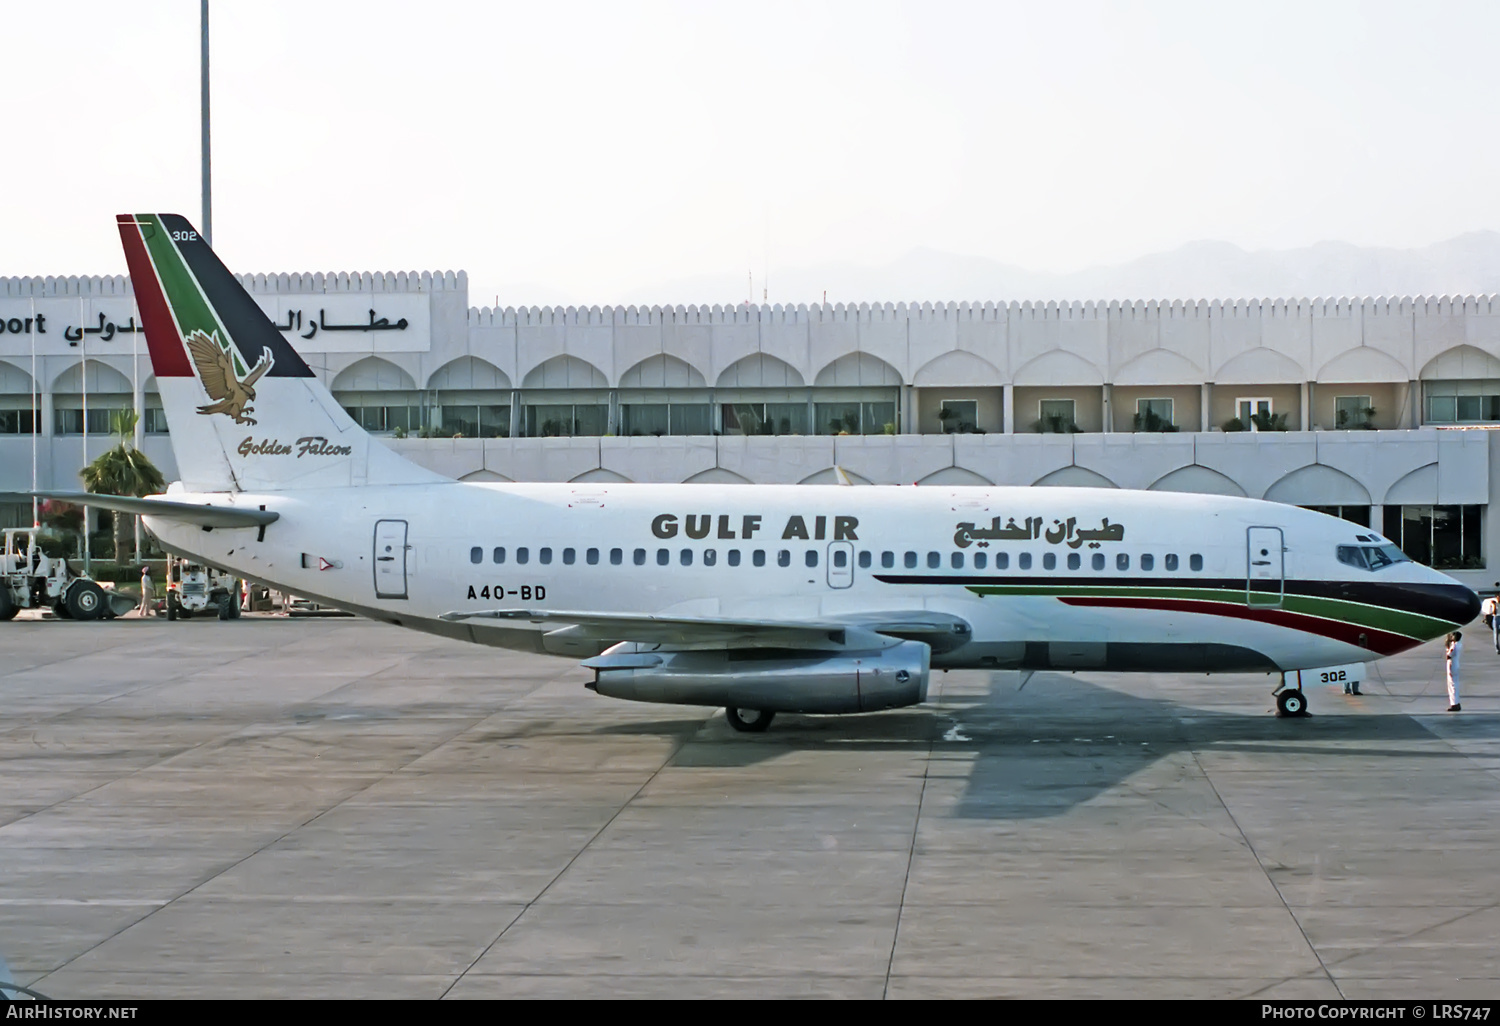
[(31, 579), (197, 588)]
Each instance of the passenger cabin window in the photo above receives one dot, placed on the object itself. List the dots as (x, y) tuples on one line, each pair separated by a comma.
[(784, 557), (934, 560), (569, 556), (616, 557), (499, 554), (1074, 561), (1002, 560), (523, 555), (980, 559), (1148, 561), (734, 557), (759, 557), (591, 557), (1170, 563), (811, 559), (663, 557), (710, 557), (1098, 561), (910, 560), (476, 555), (544, 555), (957, 561), (1049, 561), (887, 560), (864, 560), (1195, 563), (1024, 561), (687, 557), (640, 557), (840, 558), (1122, 562)]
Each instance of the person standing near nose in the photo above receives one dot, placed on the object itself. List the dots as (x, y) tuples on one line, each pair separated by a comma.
[(1453, 650), (1491, 611)]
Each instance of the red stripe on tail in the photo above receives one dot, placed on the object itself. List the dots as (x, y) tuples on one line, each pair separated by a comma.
[(168, 357)]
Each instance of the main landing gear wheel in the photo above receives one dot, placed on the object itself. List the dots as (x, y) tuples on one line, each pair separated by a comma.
[(1291, 702), (749, 721)]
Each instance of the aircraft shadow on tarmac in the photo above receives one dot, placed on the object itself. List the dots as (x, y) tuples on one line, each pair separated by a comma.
[(1058, 744)]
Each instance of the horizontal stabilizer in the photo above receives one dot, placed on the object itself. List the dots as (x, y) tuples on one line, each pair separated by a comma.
[(203, 514)]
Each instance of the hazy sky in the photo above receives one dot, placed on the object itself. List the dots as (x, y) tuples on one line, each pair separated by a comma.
[(590, 151)]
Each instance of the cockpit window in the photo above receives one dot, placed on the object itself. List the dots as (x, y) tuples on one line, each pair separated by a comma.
[(1371, 557)]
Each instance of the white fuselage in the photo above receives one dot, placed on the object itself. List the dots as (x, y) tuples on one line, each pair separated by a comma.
[(1069, 579)]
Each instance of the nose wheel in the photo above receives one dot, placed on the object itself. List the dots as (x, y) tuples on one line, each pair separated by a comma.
[(1291, 702)]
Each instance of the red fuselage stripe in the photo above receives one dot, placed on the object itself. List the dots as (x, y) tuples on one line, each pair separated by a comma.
[(168, 358), (1380, 642)]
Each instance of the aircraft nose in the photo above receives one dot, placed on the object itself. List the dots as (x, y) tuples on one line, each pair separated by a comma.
[(1455, 602)]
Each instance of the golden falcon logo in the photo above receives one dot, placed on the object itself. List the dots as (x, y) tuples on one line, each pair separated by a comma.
[(231, 395)]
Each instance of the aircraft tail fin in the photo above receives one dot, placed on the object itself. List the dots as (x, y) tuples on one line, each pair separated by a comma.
[(245, 412)]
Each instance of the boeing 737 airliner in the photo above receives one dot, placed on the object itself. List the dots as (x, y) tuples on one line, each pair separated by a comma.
[(818, 599)]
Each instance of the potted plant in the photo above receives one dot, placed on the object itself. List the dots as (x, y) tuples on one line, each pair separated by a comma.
[(1152, 421)]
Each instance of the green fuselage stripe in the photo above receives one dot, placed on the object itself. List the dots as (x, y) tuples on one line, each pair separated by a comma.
[(1395, 621)]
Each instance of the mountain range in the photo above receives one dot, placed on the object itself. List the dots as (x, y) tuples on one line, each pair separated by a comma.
[(1468, 264)]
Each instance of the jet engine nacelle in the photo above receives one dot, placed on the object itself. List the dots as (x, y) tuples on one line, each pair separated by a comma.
[(773, 681)]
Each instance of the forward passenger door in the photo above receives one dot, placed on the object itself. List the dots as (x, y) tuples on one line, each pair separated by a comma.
[(1265, 571)]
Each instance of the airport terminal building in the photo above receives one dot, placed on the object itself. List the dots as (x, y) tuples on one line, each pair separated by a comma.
[(1376, 410)]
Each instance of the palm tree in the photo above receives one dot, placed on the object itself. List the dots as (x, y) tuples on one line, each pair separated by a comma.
[(123, 470)]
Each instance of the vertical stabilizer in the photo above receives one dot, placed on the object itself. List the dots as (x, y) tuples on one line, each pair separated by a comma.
[(244, 410)]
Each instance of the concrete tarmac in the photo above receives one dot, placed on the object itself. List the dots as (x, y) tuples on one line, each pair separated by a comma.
[(336, 808)]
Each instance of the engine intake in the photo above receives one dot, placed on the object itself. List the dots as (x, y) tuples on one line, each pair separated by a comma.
[(770, 680)]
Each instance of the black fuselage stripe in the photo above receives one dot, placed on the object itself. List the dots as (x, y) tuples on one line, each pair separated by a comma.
[(1439, 601)]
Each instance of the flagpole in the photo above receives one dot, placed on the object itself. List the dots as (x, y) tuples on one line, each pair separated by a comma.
[(83, 383), (36, 421), (208, 215), (139, 400)]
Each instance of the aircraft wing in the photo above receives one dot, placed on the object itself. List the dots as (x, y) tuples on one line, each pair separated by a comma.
[(204, 514), (940, 630)]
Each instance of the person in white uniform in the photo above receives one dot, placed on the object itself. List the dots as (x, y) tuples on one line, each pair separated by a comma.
[(1453, 650), (148, 592), (1491, 610)]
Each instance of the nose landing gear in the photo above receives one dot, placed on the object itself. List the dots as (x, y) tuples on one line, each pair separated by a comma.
[(1290, 702)]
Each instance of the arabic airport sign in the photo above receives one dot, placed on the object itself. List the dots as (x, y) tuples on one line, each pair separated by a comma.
[(67, 325), (359, 322), (325, 323)]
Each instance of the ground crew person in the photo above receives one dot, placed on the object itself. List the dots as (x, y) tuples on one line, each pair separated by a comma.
[(1453, 650), (1491, 611), (148, 592)]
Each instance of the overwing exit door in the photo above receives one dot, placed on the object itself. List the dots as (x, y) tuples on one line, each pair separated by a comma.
[(1265, 581), (390, 559), (840, 564)]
